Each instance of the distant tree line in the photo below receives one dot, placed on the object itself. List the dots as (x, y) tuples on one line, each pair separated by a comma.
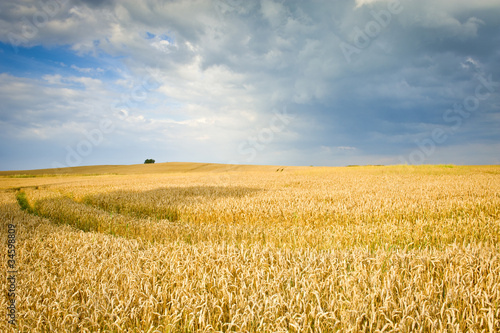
[(149, 161)]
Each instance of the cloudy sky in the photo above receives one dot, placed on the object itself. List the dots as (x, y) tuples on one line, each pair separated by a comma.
[(320, 82)]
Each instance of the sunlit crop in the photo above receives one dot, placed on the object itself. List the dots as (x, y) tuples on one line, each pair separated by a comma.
[(404, 249)]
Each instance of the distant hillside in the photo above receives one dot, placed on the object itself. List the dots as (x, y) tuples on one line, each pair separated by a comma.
[(170, 167)]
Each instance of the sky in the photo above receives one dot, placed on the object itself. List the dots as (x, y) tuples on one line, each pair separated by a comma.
[(320, 82)]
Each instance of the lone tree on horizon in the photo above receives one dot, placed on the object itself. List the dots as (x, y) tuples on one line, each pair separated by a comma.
[(149, 161)]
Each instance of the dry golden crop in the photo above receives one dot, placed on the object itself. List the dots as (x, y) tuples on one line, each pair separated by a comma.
[(251, 249)]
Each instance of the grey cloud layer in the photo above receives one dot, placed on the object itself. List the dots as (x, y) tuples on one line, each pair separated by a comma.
[(228, 63)]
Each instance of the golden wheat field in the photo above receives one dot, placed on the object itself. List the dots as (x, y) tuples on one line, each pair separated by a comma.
[(213, 248)]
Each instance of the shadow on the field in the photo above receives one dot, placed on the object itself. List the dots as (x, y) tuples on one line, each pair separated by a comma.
[(166, 202)]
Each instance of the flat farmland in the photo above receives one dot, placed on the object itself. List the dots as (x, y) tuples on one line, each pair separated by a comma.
[(190, 247)]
